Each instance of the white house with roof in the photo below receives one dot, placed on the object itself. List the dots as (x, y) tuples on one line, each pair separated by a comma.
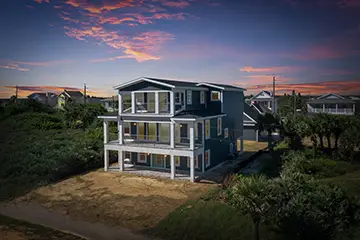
[(331, 103), (263, 102)]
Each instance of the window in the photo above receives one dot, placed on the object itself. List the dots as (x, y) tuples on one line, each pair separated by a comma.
[(207, 129), (231, 150), (142, 157), (196, 162), (207, 158), (215, 96), (202, 97), (219, 126), (127, 156), (177, 98), (226, 133), (189, 97), (164, 132), (151, 131), (127, 128), (177, 161)]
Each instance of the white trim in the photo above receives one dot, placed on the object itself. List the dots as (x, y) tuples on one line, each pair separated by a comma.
[(138, 157), (222, 100), (210, 117), (140, 121), (237, 89), (192, 88), (226, 132), (147, 91), (202, 97), (210, 85), (219, 126), (207, 136), (209, 162), (146, 115), (189, 97), (129, 83), (263, 91), (152, 150), (211, 96), (108, 117), (249, 124), (257, 109), (249, 117), (184, 119)]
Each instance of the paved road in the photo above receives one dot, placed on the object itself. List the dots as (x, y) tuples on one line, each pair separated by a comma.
[(36, 214)]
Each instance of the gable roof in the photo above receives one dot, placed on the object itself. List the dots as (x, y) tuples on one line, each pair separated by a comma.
[(260, 93), (331, 98), (73, 93), (179, 84), (251, 113)]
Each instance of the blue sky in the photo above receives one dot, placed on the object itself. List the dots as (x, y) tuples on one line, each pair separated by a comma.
[(311, 46)]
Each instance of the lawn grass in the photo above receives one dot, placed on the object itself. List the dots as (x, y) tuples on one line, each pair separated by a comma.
[(253, 146), (13, 229), (204, 220)]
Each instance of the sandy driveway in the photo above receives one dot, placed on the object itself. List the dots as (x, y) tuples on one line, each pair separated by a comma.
[(115, 199)]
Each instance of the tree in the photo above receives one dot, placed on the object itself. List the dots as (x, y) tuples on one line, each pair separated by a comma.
[(251, 195)]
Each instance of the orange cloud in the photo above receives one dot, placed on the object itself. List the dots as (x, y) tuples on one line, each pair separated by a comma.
[(41, 1), (178, 4), (262, 79), (274, 70), (105, 5), (341, 87)]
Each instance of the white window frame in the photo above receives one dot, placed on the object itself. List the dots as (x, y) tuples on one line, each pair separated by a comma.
[(207, 152), (175, 98), (207, 131), (226, 132), (127, 134), (189, 97), (202, 97), (177, 161), (127, 153), (196, 162), (139, 158), (215, 99), (219, 126)]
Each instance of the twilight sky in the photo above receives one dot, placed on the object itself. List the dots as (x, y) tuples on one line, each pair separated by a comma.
[(312, 46)]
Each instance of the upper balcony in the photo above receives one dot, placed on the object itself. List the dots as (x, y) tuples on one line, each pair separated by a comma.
[(150, 102)]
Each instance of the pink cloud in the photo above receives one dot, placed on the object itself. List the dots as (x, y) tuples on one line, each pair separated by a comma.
[(178, 4), (274, 70), (41, 1), (14, 66)]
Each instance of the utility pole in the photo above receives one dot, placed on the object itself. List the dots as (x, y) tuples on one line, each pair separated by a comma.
[(273, 107), (16, 93), (85, 93), (294, 102)]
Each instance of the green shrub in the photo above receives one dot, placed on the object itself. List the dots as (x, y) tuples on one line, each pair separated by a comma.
[(283, 145), (311, 210)]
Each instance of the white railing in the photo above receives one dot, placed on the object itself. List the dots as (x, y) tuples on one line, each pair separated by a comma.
[(331, 110)]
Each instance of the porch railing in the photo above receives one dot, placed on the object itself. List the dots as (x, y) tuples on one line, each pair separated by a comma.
[(331, 110), (146, 107), (156, 139)]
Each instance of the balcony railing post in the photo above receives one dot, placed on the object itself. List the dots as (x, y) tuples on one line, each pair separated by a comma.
[(192, 135), (157, 102), (133, 102), (172, 106), (120, 103), (172, 135)]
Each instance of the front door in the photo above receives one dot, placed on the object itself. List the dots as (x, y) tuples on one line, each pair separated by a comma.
[(158, 161), (184, 133)]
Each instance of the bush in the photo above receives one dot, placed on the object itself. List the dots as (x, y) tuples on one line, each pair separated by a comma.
[(310, 163), (311, 210)]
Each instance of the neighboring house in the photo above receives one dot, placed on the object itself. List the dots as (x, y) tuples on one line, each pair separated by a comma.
[(94, 100), (166, 124), (111, 104), (75, 97), (47, 98), (331, 103), (251, 118), (263, 101), (4, 101)]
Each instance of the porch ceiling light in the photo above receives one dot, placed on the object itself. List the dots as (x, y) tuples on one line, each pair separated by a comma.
[(180, 125), (134, 124)]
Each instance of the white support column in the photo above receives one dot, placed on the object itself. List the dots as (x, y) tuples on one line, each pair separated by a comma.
[(203, 145), (121, 131), (172, 166), (336, 108), (192, 136), (106, 160), (106, 131), (257, 135), (133, 102), (172, 135), (121, 161), (192, 169), (323, 107), (157, 102), (172, 106), (222, 101), (120, 104), (353, 108)]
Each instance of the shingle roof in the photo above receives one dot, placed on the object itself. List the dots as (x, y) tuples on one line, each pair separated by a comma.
[(175, 82), (251, 112), (74, 93)]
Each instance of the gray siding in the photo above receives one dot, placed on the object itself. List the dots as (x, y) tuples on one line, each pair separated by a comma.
[(144, 86), (233, 104), (219, 147), (250, 133)]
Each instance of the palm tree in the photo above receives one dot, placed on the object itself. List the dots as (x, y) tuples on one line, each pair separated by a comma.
[(251, 196)]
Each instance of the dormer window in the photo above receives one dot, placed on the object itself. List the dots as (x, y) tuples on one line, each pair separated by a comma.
[(215, 96)]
